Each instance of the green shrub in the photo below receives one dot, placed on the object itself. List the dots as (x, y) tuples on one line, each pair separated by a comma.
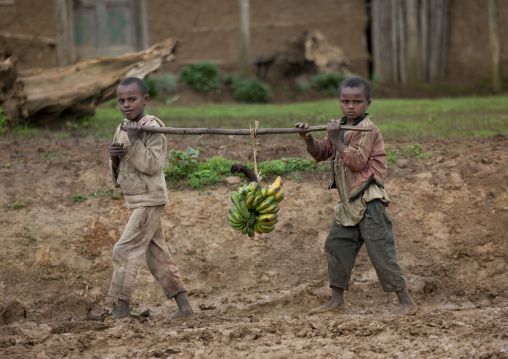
[(3, 121), (279, 167), (201, 76), (328, 83), (416, 151), (79, 197), (391, 156), (303, 86), (181, 164), (19, 204), (166, 82), (209, 173), (185, 166), (151, 84), (249, 90)]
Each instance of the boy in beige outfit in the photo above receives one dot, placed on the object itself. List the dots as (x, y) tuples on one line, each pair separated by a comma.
[(137, 161)]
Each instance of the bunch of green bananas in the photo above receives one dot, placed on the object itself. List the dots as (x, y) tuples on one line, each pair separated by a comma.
[(255, 208)]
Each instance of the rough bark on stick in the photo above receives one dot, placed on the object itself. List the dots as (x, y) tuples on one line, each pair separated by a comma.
[(239, 132), (74, 91), (12, 96)]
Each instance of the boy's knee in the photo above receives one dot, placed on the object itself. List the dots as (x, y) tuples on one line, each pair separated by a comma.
[(119, 252), (328, 246)]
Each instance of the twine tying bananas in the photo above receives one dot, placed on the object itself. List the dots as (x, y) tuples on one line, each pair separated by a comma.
[(254, 149)]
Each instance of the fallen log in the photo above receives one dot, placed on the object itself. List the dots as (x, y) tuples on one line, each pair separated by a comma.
[(74, 91), (12, 96), (226, 131)]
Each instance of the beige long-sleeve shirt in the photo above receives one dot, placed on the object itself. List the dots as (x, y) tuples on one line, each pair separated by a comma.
[(140, 173)]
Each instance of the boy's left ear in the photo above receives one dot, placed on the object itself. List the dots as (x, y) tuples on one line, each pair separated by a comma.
[(368, 103), (147, 99)]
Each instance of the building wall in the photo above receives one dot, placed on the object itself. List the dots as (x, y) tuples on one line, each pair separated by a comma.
[(27, 30), (469, 56), (209, 31)]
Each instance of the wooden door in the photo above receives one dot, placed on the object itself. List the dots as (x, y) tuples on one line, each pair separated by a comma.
[(108, 27)]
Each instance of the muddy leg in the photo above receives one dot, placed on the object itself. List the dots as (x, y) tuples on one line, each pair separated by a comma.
[(184, 308), (122, 310), (406, 304), (336, 303)]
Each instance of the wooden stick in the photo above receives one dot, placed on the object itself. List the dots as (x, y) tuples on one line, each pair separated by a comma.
[(224, 131), (12, 300)]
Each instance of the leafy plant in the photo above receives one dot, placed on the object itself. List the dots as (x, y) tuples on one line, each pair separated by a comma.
[(7, 165), (166, 82), (392, 156), (79, 198), (201, 76), (211, 172), (50, 156), (416, 151), (3, 121), (249, 90), (114, 194), (328, 83), (201, 174), (303, 86), (151, 85), (279, 167), (17, 205), (181, 163)]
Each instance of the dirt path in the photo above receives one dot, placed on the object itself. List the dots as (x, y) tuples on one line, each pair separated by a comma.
[(252, 297)]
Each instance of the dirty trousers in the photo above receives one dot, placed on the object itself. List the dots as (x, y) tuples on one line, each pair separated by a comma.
[(143, 236), (344, 243)]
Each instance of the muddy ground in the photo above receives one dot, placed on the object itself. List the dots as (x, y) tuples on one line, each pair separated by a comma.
[(252, 296)]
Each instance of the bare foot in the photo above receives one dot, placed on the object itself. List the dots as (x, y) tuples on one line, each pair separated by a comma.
[(405, 309), (329, 307), (183, 315)]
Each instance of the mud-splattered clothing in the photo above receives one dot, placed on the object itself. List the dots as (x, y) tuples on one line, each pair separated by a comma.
[(141, 178), (343, 245), (143, 237), (362, 163), (360, 215), (140, 172)]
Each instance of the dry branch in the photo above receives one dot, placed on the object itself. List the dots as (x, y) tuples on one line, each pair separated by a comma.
[(245, 132)]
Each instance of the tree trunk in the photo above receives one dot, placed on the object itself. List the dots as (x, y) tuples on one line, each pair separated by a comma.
[(12, 96), (412, 43), (495, 46), (409, 37), (72, 92), (244, 38)]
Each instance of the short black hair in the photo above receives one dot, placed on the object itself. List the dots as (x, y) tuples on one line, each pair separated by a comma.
[(134, 80), (356, 82)]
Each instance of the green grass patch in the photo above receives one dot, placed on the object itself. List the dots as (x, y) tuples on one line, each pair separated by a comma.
[(20, 204), (397, 118), (79, 197), (416, 151), (407, 119), (184, 167)]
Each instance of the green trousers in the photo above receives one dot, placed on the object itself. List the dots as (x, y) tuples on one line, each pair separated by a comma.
[(344, 243)]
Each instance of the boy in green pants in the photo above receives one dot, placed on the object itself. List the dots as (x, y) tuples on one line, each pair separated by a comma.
[(137, 162), (358, 161)]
